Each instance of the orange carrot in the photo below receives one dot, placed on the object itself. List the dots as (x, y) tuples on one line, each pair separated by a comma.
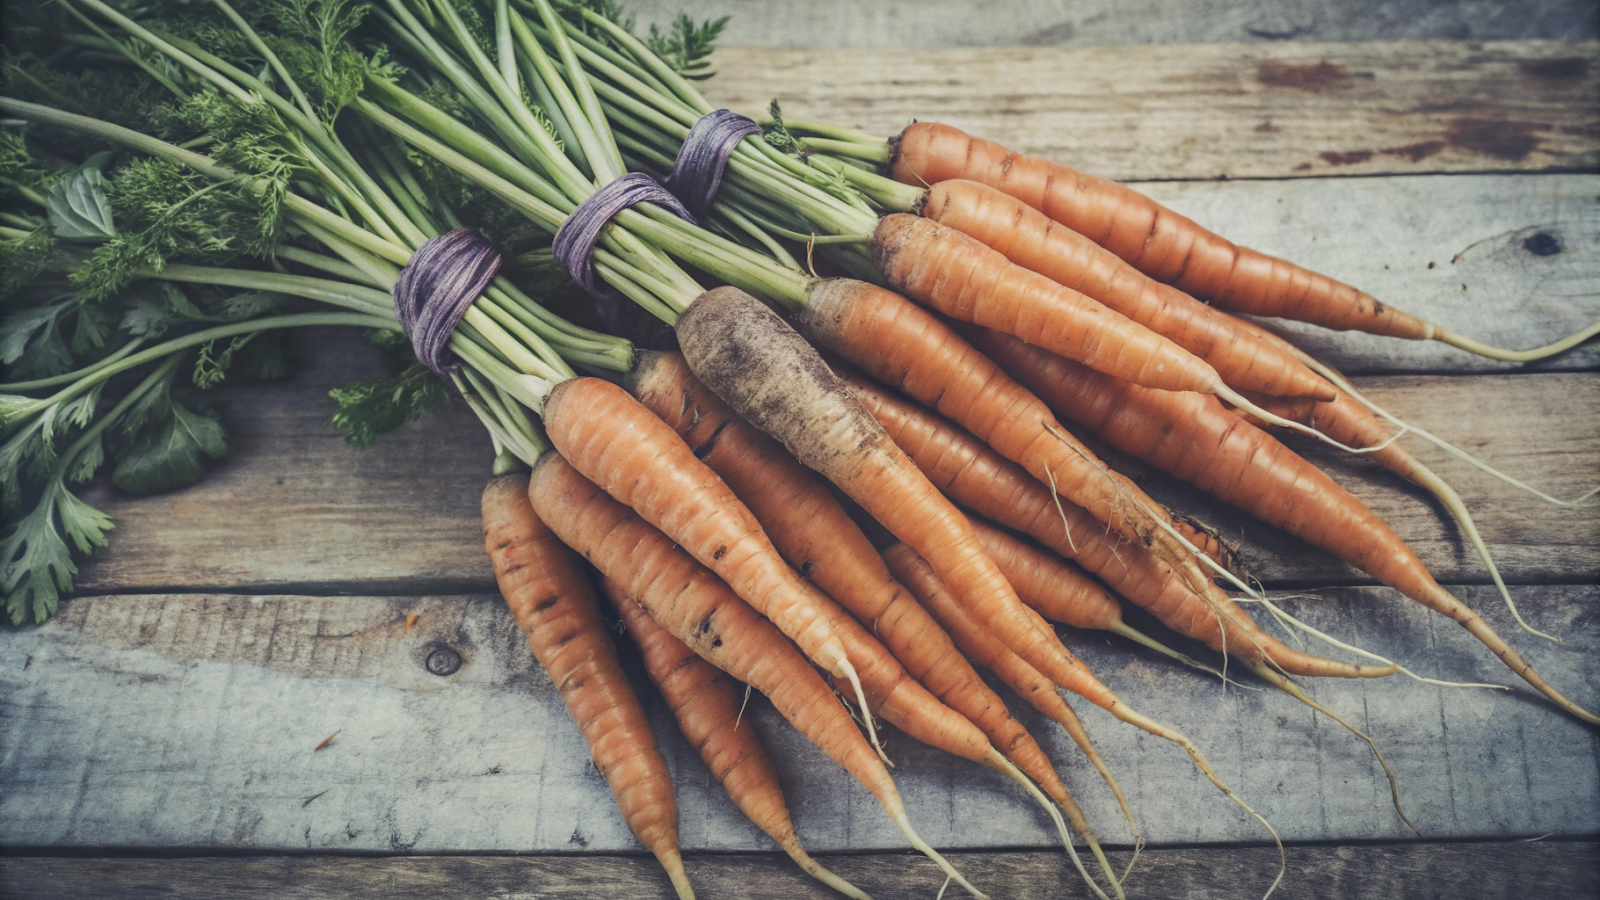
[(815, 534), (977, 477), (698, 608), (915, 573), (707, 704), (759, 366), (967, 281), (1172, 248), (1032, 240), (1196, 439), (909, 348), (550, 597), (618, 444)]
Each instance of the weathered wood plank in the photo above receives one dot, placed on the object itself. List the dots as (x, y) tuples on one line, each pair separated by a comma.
[(1415, 871), (298, 509), (191, 721), (958, 23), (1211, 111), (1510, 260)]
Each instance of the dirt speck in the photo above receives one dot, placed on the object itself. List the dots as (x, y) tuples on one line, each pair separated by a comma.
[(1316, 77), (1266, 127), (1499, 138)]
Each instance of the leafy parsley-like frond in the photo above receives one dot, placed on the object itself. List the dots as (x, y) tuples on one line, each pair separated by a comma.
[(371, 409), (687, 47)]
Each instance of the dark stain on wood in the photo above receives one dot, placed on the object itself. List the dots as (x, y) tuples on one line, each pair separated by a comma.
[(1314, 78), (1416, 152), (1561, 68), (1499, 138), (1350, 158), (1542, 244)]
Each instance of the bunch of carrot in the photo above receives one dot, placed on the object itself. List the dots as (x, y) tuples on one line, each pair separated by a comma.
[(999, 299)]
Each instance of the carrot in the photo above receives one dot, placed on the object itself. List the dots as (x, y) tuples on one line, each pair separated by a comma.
[(991, 486), (905, 346), (915, 573), (1194, 438), (815, 534), (1032, 240), (699, 609), (552, 601), (1348, 419), (618, 444), (759, 366), (1172, 248), (1062, 592), (708, 707)]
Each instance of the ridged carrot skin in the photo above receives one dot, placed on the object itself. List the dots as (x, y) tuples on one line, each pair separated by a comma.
[(967, 281), (552, 601), (1153, 239), (698, 608), (1052, 587), (1194, 438), (912, 350), (980, 479), (758, 365), (621, 446), (1034, 241), (815, 534), (708, 705)]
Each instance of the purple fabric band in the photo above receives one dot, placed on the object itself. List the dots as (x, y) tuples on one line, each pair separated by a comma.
[(575, 240), (435, 288), (697, 172)]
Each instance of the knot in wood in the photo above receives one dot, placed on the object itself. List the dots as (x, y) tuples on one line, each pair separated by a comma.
[(443, 661)]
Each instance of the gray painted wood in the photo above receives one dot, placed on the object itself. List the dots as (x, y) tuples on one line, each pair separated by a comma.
[(192, 721), (1211, 111), (1457, 251), (955, 23), (1417, 871)]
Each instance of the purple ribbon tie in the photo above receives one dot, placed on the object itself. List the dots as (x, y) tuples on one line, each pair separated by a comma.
[(575, 240), (697, 172), (435, 288)]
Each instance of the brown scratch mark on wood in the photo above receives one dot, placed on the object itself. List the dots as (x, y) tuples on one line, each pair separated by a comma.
[(1499, 138), (1314, 78), (1350, 158), (411, 621), (325, 742), (1558, 69), (313, 797)]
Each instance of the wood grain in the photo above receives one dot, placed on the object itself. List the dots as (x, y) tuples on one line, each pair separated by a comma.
[(1205, 111), (960, 23), (1415, 871), (192, 721)]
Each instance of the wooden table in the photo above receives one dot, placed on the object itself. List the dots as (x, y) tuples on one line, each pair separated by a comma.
[(163, 735)]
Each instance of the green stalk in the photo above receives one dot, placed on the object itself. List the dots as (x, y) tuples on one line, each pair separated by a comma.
[(69, 377), (580, 84), (355, 297), (197, 338), (336, 267), (139, 31), (158, 76), (261, 47), (590, 143)]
